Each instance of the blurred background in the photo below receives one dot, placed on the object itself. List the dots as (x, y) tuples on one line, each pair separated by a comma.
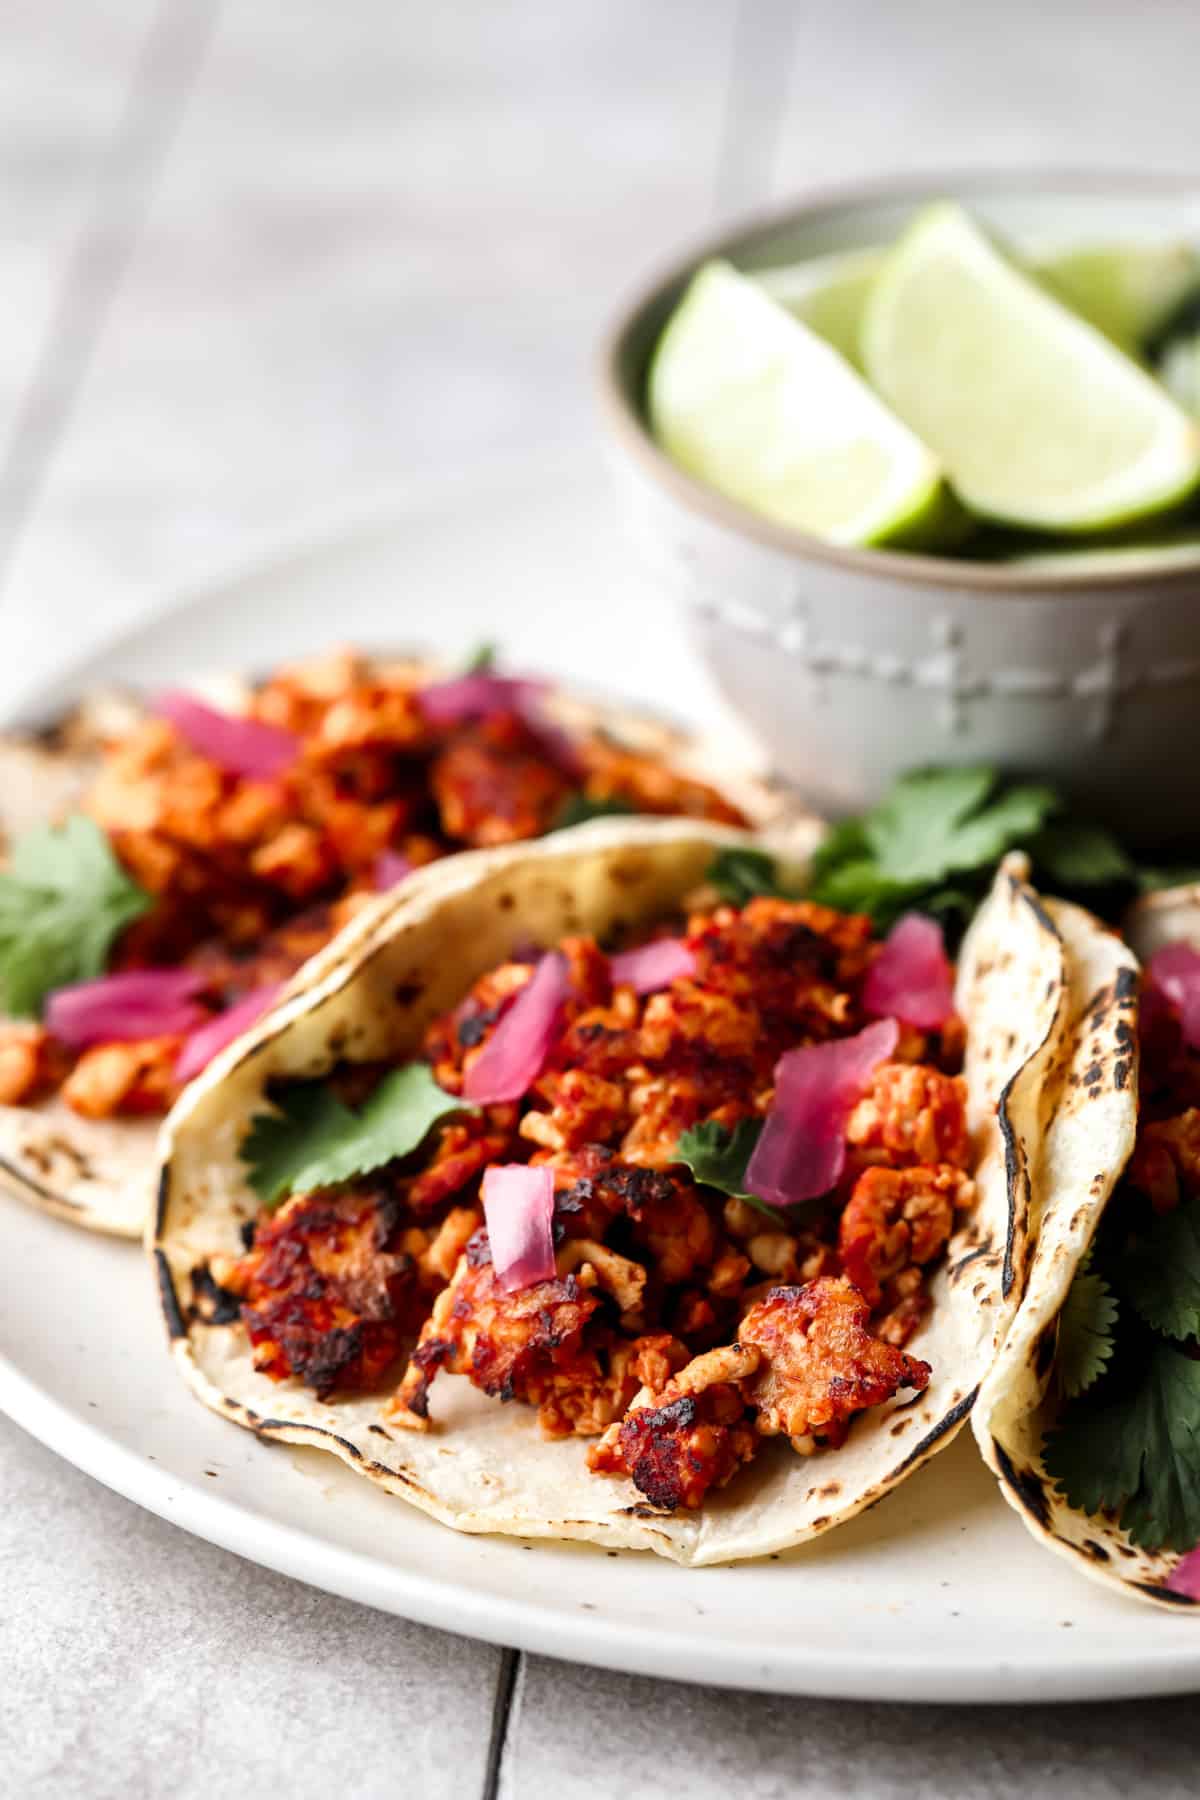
[(257, 260)]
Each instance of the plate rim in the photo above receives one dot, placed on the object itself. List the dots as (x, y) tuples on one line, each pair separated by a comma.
[(449, 1602)]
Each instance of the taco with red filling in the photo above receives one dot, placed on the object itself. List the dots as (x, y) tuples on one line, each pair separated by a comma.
[(599, 1188), (1091, 1414), (171, 864)]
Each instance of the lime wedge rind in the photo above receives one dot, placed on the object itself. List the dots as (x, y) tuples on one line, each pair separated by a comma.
[(1039, 419), (741, 394)]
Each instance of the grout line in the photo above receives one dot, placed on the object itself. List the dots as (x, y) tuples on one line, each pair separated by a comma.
[(505, 1704), (125, 175), (760, 70)]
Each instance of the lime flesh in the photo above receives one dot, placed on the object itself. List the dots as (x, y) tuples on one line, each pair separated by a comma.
[(1129, 291), (828, 294), (745, 397), (1039, 419)]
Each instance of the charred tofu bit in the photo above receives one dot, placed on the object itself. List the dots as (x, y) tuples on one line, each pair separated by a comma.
[(819, 1365), (513, 1346), (329, 1293), (682, 1439)]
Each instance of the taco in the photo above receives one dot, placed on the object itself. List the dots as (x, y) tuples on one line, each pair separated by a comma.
[(1091, 1414), (726, 1199), (170, 866)]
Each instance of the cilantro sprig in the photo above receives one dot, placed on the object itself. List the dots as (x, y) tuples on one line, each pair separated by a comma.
[(64, 900), (1132, 1447), (1085, 1333), (718, 1158), (934, 840), (577, 809), (1161, 1272), (739, 875), (313, 1140), (1127, 1440)]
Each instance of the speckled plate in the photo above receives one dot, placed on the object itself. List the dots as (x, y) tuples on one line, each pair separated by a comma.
[(938, 1594)]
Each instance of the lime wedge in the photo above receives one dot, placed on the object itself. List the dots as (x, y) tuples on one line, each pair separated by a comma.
[(1130, 291), (1179, 372), (827, 293), (1038, 418), (748, 399)]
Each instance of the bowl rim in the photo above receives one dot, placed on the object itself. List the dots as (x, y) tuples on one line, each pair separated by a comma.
[(907, 568)]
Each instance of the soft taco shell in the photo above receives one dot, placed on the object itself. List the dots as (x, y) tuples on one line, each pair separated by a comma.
[(1092, 1086), (99, 1173), (485, 1468)]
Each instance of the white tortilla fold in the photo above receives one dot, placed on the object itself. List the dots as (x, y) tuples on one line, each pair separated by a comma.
[(1092, 1087), (99, 1174), (484, 1466)]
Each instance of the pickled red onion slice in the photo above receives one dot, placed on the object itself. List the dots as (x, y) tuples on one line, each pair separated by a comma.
[(120, 1009), (911, 979), (203, 1043), (467, 697), (240, 746), (391, 866), (1175, 971), (652, 966), (1185, 1576), (514, 1055), (802, 1149), (518, 1205)]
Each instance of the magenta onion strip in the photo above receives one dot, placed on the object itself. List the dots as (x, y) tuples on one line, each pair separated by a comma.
[(239, 746), (124, 1008), (911, 979), (518, 1206), (652, 966), (802, 1149), (203, 1043), (515, 1053)]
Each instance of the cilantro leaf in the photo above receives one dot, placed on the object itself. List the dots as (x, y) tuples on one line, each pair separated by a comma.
[(739, 875), (909, 831), (1138, 1454), (64, 899), (481, 660), (1085, 1333), (1161, 1272), (314, 1140), (577, 809), (940, 822), (1151, 879), (1074, 854), (718, 1156)]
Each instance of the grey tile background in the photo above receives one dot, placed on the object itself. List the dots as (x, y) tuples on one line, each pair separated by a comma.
[(256, 258)]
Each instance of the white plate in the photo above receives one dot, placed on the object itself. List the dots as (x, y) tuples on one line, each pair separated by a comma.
[(937, 1595)]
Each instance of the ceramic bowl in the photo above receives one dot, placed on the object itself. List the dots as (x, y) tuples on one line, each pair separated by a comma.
[(854, 665)]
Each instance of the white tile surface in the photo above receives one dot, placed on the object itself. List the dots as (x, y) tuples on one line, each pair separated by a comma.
[(64, 78), (384, 238), (136, 1661), (575, 1733)]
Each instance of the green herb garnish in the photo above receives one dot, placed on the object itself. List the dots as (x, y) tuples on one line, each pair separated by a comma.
[(314, 1140), (577, 809), (481, 660), (740, 875), (1161, 1272), (1133, 1448), (1085, 1333), (64, 899), (718, 1158), (934, 841)]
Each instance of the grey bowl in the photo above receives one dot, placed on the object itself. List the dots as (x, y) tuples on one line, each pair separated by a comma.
[(853, 665)]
